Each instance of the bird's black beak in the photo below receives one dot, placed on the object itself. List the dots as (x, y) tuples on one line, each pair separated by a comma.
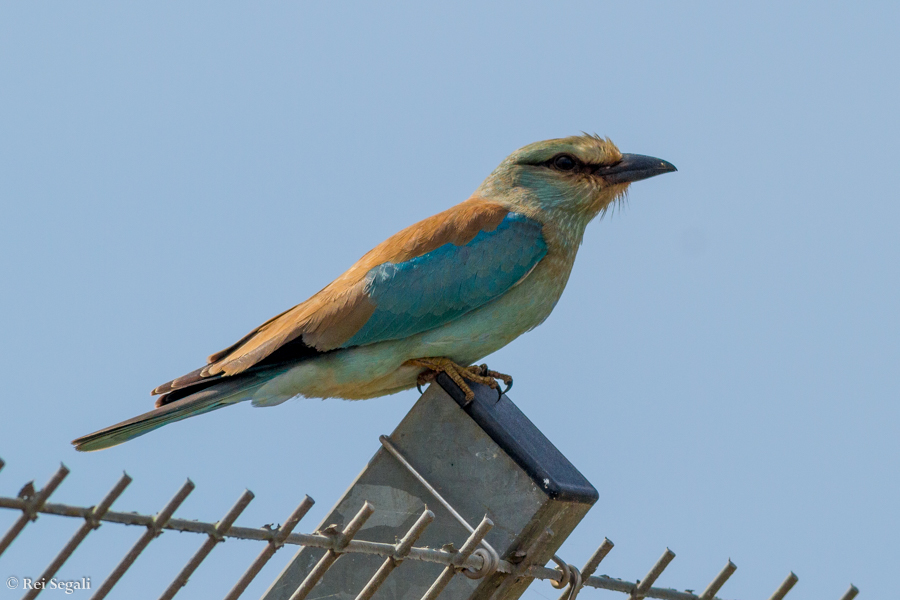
[(634, 167)]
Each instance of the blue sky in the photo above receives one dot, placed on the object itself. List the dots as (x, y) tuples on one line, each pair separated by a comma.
[(723, 365)]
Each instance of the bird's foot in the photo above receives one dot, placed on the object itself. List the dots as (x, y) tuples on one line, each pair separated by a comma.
[(459, 374)]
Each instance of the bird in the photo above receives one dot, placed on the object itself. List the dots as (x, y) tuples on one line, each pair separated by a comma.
[(436, 297)]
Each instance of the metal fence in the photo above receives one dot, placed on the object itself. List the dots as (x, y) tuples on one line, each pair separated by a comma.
[(465, 561)]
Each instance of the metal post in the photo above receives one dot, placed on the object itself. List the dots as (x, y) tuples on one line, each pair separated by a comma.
[(395, 452)]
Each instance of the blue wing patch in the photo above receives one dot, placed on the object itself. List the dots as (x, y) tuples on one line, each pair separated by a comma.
[(446, 283)]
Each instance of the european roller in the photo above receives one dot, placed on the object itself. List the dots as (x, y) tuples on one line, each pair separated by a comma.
[(436, 297)]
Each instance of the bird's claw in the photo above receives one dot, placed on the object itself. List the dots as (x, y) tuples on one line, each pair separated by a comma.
[(494, 375), (459, 374)]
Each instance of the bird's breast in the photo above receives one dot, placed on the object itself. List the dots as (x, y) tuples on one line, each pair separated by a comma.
[(490, 327)]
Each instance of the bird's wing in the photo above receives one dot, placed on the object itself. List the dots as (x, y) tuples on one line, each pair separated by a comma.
[(424, 276)]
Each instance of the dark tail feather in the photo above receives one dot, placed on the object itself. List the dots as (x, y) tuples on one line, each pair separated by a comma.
[(226, 393)]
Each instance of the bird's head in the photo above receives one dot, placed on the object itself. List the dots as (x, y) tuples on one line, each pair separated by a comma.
[(576, 177)]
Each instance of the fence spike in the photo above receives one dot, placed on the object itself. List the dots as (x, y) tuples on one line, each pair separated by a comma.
[(392, 562), (785, 587), (594, 561), (589, 567), (212, 539), (91, 522), (461, 556), (341, 540), (641, 590), (154, 529), (271, 548), (32, 506), (716, 584)]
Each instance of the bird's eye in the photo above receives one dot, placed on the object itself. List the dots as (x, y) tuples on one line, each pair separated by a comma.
[(564, 162)]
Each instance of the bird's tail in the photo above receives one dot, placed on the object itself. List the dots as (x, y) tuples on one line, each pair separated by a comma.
[(212, 398)]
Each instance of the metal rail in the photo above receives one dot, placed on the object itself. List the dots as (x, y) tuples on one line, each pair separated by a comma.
[(469, 560)]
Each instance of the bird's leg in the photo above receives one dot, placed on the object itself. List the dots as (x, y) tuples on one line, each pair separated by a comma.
[(459, 374)]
